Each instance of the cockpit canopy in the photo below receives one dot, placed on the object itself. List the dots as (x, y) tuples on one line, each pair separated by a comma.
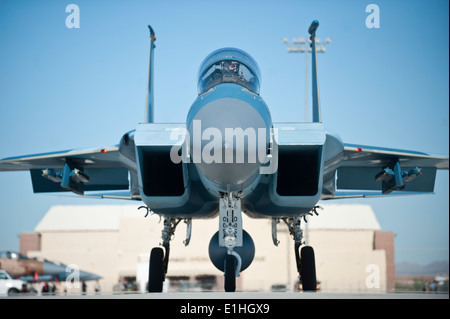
[(229, 65)]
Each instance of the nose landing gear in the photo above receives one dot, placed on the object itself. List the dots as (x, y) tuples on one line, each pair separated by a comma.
[(231, 236)]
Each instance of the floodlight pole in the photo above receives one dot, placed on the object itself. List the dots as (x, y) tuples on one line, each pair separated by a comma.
[(306, 87)]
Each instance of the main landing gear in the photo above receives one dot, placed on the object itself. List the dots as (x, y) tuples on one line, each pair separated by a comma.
[(304, 257), (159, 261)]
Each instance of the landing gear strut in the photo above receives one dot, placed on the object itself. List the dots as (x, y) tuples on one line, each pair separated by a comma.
[(231, 236)]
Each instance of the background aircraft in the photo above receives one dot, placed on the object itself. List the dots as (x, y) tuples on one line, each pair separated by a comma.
[(301, 163), (33, 269)]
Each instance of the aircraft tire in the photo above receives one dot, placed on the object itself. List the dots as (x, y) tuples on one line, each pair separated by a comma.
[(308, 269), (230, 273), (155, 272)]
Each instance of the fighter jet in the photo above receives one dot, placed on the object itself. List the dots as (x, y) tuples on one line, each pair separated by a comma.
[(33, 269), (230, 158)]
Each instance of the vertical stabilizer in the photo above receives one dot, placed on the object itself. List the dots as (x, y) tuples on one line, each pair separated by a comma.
[(149, 117), (315, 85)]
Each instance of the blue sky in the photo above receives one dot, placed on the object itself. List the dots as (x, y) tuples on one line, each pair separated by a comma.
[(66, 88)]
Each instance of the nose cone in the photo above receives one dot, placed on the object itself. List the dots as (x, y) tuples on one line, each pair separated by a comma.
[(229, 141), (86, 276)]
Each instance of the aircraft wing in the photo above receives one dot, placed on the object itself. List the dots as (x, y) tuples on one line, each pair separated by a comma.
[(85, 157), (368, 171), (79, 170)]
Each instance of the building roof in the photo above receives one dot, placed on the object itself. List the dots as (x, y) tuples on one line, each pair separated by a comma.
[(347, 216), (86, 217)]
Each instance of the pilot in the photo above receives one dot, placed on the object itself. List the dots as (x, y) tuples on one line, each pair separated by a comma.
[(230, 68), (228, 71)]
